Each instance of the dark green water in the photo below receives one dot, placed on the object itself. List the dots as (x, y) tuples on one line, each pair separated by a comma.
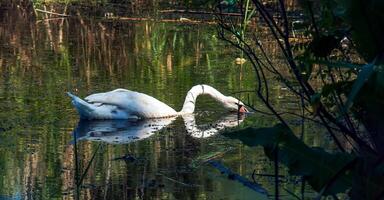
[(41, 60)]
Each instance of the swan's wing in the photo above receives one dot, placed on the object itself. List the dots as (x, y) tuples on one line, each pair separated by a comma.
[(133, 102), (121, 98)]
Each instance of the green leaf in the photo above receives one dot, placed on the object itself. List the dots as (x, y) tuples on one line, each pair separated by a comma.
[(314, 164)]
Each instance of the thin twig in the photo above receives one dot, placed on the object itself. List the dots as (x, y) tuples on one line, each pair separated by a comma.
[(52, 13), (200, 12), (180, 20)]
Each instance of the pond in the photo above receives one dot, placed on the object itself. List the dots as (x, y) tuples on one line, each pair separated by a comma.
[(40, 60)]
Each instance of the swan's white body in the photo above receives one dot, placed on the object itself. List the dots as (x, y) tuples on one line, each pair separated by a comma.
[(126, 104)]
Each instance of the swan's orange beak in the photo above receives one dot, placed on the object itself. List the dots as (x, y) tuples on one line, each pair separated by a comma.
[(243, 109)]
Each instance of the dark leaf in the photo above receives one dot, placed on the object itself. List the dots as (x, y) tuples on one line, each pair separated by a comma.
[(362, 77), (314, 164)]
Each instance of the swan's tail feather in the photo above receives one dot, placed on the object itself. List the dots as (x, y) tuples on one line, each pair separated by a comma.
[(84, 109)]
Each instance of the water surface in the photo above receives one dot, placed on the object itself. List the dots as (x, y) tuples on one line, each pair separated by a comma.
[(42, 59)]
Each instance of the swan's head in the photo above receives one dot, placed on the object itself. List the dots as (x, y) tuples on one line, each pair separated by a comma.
[(235, 105)]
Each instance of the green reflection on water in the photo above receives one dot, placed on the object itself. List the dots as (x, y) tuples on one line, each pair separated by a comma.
[(40, 61)]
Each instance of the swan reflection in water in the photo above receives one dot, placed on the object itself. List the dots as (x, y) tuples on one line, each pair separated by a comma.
[(208, 130), (126, 131)]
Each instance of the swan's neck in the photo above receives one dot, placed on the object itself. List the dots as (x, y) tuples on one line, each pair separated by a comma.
[(194, 92)]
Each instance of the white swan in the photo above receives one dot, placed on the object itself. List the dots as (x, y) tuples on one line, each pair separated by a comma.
[(126, 104)]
